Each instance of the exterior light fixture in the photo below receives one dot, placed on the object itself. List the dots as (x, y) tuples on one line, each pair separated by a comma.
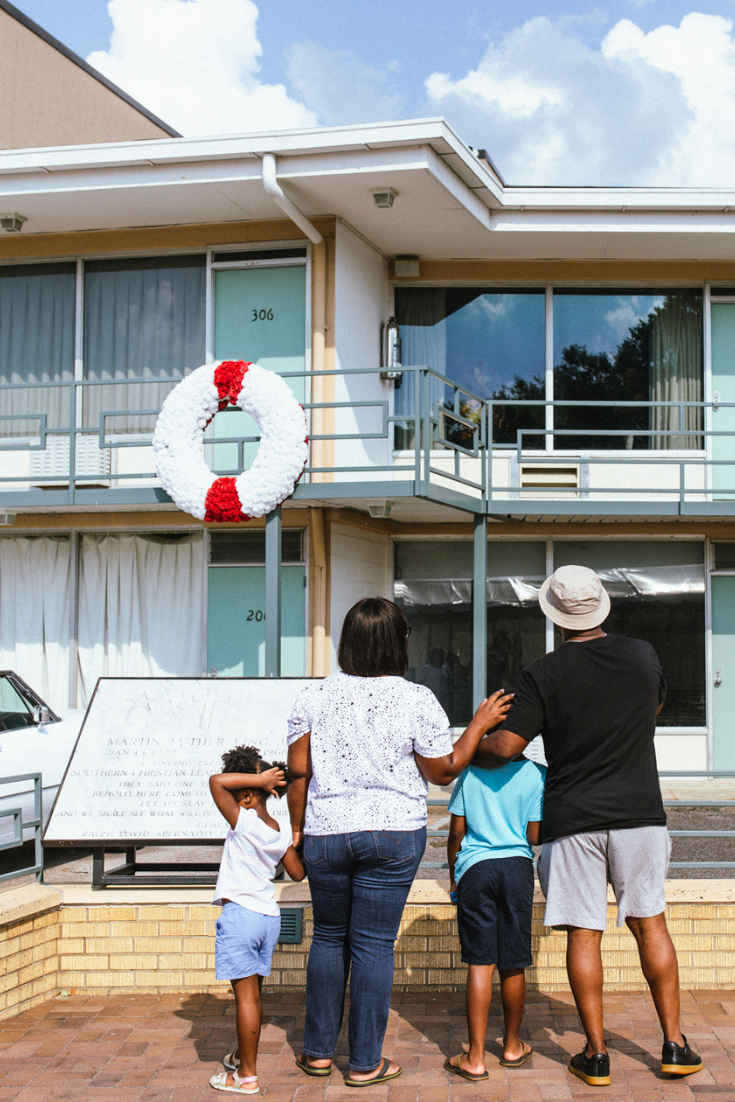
[(383, 196), (12, 223), (381, 509)]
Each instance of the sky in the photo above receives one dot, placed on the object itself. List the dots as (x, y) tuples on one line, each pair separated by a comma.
[(636, 92)]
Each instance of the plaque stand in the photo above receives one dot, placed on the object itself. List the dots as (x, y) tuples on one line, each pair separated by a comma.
[(134, 873)]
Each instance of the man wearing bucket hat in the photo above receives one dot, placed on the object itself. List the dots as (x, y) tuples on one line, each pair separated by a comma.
[(595, 701)]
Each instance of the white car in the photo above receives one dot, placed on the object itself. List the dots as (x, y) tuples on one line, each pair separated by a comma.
[(33, 739)]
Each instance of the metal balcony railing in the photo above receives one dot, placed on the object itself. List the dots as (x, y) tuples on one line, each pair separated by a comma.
[(438, 440)]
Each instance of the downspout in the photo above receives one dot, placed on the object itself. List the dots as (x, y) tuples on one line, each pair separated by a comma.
[(318, 328)]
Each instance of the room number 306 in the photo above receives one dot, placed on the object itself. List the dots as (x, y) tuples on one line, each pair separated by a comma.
[(262, 315)]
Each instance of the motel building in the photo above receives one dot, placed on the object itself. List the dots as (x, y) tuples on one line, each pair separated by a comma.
[(499, 380)]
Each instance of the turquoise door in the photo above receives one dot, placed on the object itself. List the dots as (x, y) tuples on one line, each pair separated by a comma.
[(723, 662), (260, 317), (236, 621), (723, 384)]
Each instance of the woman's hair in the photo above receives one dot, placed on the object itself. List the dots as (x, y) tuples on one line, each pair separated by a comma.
[(247, 759), (374, 639)]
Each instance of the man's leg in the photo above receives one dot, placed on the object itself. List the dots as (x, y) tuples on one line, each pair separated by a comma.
[(584, 968), (661, 969)]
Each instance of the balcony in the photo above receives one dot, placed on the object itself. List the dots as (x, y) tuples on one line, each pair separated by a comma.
[(53, 452)]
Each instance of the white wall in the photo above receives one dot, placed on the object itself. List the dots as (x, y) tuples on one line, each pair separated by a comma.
[(363, 299), (360, 567)]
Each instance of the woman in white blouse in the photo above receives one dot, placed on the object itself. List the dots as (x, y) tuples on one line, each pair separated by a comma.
[(362, 745)]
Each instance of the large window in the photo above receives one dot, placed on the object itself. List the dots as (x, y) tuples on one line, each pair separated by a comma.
[(36, 345), (657, 593), (608, 346), (143, 319)]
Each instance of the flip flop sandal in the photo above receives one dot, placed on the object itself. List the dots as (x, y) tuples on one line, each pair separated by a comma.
[(381, 1077), (247, 1085), (308, 1069), (457, 1069), (228, 1061), (521, 1060)]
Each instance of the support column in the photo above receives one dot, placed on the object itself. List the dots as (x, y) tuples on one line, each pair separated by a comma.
[(273, 593), (479, 611)]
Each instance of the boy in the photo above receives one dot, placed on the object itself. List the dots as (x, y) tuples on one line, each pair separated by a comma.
[(250, 923), (495, 820)]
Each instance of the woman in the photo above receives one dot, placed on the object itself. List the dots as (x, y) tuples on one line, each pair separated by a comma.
[(362, 745)]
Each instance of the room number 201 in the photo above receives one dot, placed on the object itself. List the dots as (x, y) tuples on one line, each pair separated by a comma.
[(262, 315)]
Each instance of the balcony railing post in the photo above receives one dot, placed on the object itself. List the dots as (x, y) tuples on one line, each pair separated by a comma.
[(479, 610), (273, 593)]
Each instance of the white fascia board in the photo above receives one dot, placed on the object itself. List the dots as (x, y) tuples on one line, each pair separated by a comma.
[(121, 177), (631, 222), (619, 199)]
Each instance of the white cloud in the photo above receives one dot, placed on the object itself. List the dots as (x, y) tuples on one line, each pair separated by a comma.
[(339, 87), (194, 63), (656, 108)]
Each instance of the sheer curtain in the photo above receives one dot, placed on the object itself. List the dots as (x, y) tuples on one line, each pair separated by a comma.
[(421, 314), (140, 607), (35, 594), (676, 372), (143, 319), (36, 343)]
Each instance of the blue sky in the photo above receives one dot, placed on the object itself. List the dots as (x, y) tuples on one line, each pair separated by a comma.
[(632, 91)]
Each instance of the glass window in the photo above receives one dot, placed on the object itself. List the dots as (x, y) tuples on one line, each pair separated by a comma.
[(36, 345), (248, 548), (434, 587), (143, 319), (724, 556), (612, 346), (657, 594), (489, 341), (14, 710)]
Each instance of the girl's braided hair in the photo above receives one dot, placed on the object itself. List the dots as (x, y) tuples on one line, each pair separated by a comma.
[(247, 759)]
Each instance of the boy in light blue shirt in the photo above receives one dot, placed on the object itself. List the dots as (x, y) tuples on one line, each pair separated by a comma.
[(495, 819)]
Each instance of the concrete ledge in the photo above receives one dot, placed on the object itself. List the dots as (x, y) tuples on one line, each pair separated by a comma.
[(32, 899)]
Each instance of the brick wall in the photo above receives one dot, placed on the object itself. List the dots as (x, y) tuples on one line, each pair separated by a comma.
[(29, 931)]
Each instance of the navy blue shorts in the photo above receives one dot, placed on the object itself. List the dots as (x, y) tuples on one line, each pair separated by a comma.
[(494, 908)]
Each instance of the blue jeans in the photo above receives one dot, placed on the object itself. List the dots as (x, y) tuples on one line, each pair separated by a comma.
[(359, 885)]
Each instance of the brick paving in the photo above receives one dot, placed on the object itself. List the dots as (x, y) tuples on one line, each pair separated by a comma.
[(151, 1048)]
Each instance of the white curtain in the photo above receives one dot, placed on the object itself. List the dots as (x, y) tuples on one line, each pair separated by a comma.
[(143, 319), (140, 608), (36, 344), (676, 354), (35, 593), (422, 315)]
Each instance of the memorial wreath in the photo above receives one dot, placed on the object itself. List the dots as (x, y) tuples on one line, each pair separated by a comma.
[(179, 436)]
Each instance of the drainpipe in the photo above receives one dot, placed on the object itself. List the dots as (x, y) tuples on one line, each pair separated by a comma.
[(318, 329)]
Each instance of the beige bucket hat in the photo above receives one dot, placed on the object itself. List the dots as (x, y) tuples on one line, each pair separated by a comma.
[(575, 598)]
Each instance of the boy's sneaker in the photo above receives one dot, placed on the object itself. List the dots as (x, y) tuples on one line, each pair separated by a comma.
[(679, 1059), (594, 1070)]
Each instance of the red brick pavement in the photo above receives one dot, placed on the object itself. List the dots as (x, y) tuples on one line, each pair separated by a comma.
[(149, 1048)]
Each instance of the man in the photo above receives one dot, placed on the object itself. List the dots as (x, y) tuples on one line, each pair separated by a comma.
[(595, 701)]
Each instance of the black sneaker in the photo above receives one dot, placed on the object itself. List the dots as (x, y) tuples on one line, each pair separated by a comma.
[(594, 1070), (679, 1059)]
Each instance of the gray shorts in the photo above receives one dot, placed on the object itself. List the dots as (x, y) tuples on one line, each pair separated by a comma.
[(574, 873)]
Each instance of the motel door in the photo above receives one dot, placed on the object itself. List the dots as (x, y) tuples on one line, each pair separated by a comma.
[(723, 664), (259, 316), (723, 387)]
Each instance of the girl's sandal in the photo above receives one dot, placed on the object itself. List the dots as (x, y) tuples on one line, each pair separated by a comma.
[(454, 1064), (384, 1074), (229, 1062), (247, 1085), (302, 1062), (520, 1060)]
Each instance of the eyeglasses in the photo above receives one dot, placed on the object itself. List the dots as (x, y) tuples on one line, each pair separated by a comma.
[(408, 632)]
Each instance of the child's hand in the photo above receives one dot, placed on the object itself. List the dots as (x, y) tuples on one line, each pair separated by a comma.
[(272, 779), (494, 710)]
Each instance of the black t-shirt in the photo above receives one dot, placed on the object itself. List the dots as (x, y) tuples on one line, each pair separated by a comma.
[(595, 704)]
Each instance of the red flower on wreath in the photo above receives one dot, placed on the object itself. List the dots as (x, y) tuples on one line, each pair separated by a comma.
[(228, 379), (222, 502)]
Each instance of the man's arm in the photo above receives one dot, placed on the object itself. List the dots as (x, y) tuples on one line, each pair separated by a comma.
[(299, 764), (498, 748)]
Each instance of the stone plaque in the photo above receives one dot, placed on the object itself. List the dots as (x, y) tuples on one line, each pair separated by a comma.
[(140, 769)]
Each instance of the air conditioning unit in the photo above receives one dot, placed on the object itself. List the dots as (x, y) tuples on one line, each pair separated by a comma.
[(562, 479), (50, 467)]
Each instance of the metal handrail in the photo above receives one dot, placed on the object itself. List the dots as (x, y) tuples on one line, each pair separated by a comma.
[(19, 824)]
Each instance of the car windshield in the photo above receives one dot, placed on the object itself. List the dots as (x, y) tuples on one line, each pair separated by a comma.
[(14, 711)]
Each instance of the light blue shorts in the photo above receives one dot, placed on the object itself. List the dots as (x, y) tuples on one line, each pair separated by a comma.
[(245, 942)]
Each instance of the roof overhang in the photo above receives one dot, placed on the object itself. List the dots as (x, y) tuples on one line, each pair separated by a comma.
[(449, 203)]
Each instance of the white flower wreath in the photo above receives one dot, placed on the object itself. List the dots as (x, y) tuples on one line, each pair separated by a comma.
[(179, 438)]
